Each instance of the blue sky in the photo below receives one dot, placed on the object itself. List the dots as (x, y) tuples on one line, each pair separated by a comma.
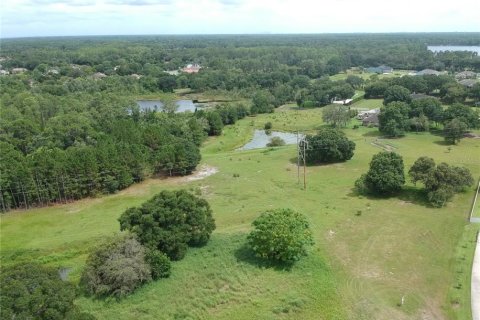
[(25, 18)]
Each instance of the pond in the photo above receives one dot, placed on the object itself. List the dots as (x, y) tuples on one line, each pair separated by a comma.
[(183, 105), (454, 48), (260, 139)]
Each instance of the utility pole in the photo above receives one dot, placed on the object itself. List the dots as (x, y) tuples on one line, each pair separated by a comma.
[(298, 160), (302, 148), (304, 164)]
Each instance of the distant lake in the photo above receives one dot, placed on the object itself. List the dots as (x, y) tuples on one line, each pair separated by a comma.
[(260, 139), (454, 48), (183, 105)]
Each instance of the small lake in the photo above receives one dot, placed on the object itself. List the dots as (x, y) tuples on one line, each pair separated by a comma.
[(183, 105), (454, 48), (260, 139)]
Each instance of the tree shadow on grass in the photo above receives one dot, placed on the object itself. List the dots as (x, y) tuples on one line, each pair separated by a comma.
[(414, 195), (443, 143), (373, 133), (436, 132), (408, 194), (245, 254)]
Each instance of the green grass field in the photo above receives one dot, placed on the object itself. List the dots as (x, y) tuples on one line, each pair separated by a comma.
[(369, 252)]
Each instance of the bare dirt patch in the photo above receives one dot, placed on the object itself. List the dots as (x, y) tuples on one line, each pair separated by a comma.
[(202, 173)]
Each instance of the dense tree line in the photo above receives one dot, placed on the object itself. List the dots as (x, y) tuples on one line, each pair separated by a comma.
[(404, 111), (76, 160), (444, 87)]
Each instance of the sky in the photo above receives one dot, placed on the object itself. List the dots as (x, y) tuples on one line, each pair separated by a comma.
[(35, 18)]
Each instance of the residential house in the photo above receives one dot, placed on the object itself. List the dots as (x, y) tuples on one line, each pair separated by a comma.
[(469, 83), (192, 68), (18, 70), (343, 102), (380, 69), (364, 114), (466, 75), (371, 120), (99, 75), (428, 72)]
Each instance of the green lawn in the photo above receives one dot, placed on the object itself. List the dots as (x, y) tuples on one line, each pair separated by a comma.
[(368, 104), (369, 252)]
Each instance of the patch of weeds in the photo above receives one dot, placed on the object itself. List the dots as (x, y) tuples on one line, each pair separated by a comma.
[(290, 305)]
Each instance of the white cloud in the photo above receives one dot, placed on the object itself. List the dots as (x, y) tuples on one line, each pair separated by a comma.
[(73, 17)]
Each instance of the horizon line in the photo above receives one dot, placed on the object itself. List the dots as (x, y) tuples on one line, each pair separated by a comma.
[(234, 34)]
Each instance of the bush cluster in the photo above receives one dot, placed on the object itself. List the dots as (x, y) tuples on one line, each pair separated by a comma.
[(281, 235), (170, 222), (32, 291)]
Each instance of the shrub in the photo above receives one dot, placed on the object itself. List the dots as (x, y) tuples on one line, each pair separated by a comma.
[(170, 221), (32, 291), (276, 142), (116, 268), (268, 126), (385, 175), (159, 263), (280, 235)]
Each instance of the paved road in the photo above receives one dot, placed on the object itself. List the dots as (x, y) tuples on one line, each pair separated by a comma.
[(476, 283)]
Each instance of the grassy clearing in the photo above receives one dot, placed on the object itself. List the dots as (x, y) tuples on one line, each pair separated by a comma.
[(459, 294), (369, 252), (368, 104)]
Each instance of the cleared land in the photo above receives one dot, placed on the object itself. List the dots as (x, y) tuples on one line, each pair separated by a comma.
[(369, 252)]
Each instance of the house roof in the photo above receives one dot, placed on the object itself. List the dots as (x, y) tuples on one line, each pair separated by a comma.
[(371, 119), (417, 96), (468, 82), (466, 74), (428, 72), (98, 75), (380, 69)]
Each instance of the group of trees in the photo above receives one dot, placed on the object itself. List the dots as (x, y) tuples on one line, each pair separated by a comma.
[(72, 164), (386, 177), (337, 115), (58, 148), (322, 92), (398, 117), (444, 87), (160, 230), (232, 63), (441, 181)]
